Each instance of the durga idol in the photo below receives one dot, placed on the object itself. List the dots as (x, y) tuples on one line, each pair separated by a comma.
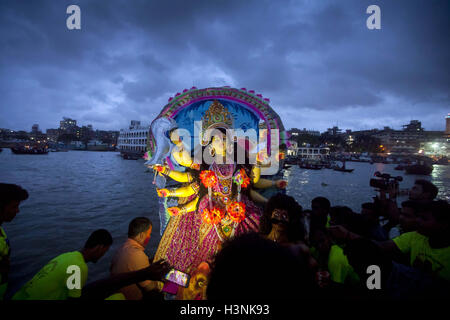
[(217, 198)]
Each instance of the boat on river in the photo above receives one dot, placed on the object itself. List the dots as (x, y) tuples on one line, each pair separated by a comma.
[(29, 150), (343, 170), (310, 165), (421, 169)]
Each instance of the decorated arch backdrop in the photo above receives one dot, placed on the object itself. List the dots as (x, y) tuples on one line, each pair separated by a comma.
[(248, 109)]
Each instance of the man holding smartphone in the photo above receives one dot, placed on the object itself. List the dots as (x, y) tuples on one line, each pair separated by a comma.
[(131, 257)]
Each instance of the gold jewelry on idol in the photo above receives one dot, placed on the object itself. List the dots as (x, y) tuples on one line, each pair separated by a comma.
[(217, 116)]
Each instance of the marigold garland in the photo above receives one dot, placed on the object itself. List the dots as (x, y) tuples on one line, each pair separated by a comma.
[(236, 211), (208, 178), (213, 216), (242, 178)]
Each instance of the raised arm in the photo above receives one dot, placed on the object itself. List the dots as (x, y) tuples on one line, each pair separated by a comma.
[(103, 288), (266, 183), (188, 207), (187, 191), (175, 175), (257, 197)]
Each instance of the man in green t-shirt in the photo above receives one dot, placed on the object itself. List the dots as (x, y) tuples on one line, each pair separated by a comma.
[(428, 248), (331, 257), (10, 197), (64, 276)]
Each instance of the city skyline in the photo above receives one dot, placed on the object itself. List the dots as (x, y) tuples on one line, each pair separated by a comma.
[(301, 128), (316, 61)]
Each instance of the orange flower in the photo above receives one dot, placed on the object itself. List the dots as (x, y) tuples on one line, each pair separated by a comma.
[(213, 216), (236, 211), (242, 178), (208, 178)]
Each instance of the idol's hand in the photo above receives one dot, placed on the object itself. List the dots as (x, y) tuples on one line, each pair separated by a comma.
[(158, 168), (281, 184), (163, 193), (174, 211)]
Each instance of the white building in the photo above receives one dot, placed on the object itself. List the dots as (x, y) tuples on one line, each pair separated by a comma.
[(313, 153), (133, 139)]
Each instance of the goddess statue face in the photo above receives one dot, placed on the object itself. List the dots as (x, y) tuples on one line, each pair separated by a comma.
[(219, 144), (174, 137)]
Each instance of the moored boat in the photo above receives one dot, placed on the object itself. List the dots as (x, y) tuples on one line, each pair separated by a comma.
[(343, 169), (310, 166), (24, 150), (421, 169)]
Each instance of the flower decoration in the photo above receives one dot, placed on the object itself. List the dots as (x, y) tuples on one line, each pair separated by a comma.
[(236, 211), (213, 216), (208, 178), (159, 168), (242, 179)]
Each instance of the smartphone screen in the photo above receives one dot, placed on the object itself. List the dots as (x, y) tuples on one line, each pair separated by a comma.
[(178, 277)]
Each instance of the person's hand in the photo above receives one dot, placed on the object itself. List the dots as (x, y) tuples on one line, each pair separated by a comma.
[(338, 232), (382, 194), (281, 184), (157, 270), (393, 213), (392, 191), (163, 193), (300, 249), (323, 278)]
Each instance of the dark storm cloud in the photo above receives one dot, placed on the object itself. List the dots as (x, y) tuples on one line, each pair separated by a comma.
[(315, 60)]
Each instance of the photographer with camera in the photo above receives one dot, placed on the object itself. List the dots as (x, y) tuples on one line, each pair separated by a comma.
[(387, 208), (423, 191)]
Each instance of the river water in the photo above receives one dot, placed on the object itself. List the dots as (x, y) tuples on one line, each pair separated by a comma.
[(73, 193)]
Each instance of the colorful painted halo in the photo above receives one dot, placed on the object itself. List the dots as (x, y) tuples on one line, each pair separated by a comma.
[(248, 100)]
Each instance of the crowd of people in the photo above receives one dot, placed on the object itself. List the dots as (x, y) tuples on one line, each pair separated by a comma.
[(383, 251)]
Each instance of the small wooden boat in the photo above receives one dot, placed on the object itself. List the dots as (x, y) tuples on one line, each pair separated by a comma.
[(127, 156), (310, 166), (343, 169), (21, 150), (421, 169)]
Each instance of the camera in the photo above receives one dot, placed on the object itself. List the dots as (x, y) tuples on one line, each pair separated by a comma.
[(384, 181)]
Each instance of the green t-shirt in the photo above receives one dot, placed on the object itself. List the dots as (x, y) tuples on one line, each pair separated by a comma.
[(50, 283), (116, 296), (4, 254), (338, 266), (423, 256), (4, 244), (340, 270)]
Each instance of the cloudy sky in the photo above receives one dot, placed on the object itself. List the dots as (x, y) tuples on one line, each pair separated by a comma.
[(316, 60)]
